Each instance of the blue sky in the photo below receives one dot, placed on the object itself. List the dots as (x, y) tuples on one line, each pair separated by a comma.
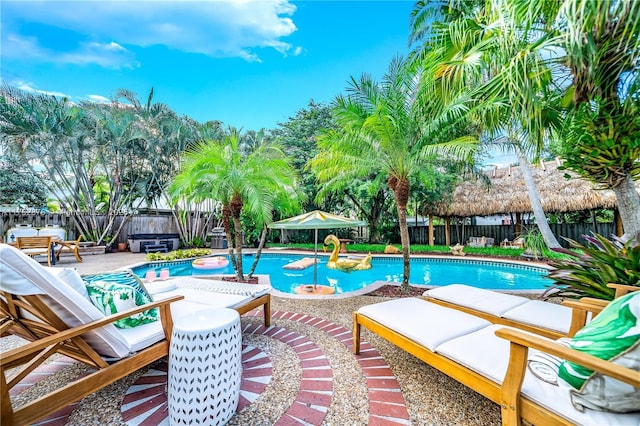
[(250, 64)]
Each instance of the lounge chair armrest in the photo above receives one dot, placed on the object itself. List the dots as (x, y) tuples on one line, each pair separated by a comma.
[(593, 301), (586, 304), (15, 354), (622, 289), (580, 309), (549, 346)]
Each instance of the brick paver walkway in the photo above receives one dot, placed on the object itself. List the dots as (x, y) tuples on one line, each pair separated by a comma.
[(145, 401)]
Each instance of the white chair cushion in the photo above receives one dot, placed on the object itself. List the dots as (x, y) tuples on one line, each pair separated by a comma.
[(426, 323), (542, 314), (491, 302), (72, 278), (23, 276), (485, 353)]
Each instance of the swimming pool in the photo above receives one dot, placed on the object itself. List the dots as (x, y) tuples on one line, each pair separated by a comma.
[(427, 271)]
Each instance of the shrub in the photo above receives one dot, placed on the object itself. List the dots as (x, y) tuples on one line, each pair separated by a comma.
[(179, 254), (587, 271)]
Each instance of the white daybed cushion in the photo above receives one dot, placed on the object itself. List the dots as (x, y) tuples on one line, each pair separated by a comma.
[(551, 316), (21, 275), (487, 354), (196, 299), (225, 287), (425, 323), (491, 302)]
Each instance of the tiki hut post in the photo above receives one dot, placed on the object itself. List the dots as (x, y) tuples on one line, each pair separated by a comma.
[(618, 222), (430, 230), (518, 224), (447, 231)]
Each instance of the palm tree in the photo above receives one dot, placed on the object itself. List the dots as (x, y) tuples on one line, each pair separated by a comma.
[(378, 132), (567, 68), (477, 53), (601, 41), (219, 171)]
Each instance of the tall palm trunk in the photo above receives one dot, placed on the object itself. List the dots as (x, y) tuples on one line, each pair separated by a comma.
[(236, 209), (263, 239), (541, 219), (400, 188), (239, 237), (226, 224), (404, 239), (629, 207)]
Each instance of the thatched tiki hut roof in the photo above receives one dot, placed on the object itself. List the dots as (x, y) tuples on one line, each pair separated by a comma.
[(507, 193)]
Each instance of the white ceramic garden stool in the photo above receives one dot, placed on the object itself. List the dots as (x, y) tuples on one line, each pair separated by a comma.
[(205, 367)]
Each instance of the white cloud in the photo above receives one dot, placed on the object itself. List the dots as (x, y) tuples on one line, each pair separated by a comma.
[(109, 55), (218, 28), (28, 87), (99, 99)]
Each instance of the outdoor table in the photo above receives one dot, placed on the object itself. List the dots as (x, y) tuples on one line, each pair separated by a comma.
[(205, 367)]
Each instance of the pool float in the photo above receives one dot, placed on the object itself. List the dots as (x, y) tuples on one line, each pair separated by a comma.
[(303, 263), (342, 264), (311, 289), (216, 262)]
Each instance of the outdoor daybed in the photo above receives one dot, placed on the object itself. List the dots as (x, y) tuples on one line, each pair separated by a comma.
[(54, 310), (492, 359)]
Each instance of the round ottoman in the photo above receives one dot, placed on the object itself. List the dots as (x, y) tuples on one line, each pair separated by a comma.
[(205, 367)]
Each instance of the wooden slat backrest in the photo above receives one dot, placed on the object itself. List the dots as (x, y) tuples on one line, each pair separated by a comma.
[(34, 243), (33, 319)]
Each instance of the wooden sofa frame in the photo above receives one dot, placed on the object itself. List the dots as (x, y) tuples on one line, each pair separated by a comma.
[(49, 335), (514, 406)]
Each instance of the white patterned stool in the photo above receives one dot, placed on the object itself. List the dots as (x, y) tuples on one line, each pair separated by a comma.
[(205, 367)]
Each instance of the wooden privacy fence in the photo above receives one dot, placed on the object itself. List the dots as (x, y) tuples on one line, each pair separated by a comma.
[(147, 224), (461, 233), (136, 224)]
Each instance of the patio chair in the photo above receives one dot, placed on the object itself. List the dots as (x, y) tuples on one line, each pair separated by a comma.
[(517, 243), (72, 246), (36, 246), (51, 308), (492, 359)]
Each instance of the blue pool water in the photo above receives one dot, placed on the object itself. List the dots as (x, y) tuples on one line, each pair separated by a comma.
[(481, 274)]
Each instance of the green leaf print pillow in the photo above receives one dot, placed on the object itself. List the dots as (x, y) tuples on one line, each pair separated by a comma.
[(613, 335), (111, 298)]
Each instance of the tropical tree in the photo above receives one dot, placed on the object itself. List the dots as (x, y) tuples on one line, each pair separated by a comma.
[(19, 187), (545, 67), (601, 42), (218, 170), (49, 135), (298, 136), (479, 53), (378, 131)]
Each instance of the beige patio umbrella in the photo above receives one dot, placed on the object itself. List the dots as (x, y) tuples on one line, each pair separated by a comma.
[(315, 220)]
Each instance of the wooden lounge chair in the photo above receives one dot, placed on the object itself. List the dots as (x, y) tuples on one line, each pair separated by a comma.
[(46, 306), (36, 246), (490, 358), (72, 246), (544, 318)]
